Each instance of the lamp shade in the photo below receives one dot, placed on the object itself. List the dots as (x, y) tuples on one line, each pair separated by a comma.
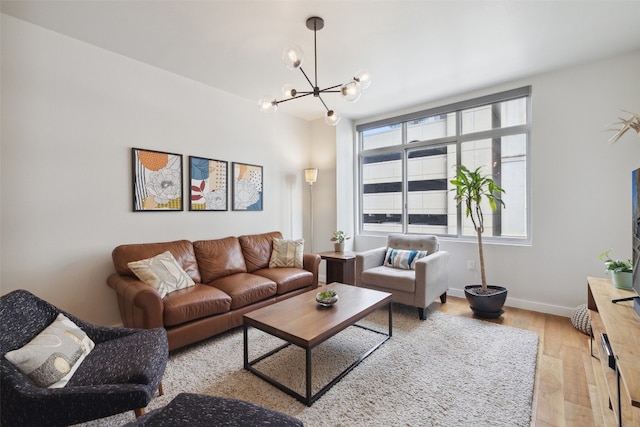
[(311, 175), (351, 91), (364, 78), (332, 118), (292, 57), (268, 104)]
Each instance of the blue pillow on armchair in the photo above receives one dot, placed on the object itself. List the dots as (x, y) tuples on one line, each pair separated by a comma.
[(401, 258)]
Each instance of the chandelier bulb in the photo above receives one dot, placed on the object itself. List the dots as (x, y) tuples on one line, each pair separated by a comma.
[(268, 104), (351, 91), (364, 78), (292, 57), (288, 91), (332, 118)]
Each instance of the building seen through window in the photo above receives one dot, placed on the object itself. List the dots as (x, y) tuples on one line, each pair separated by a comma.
[(406, 164)]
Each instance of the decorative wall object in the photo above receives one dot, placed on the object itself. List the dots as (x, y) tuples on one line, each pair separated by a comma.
[(157, 180), (208, 189), (247, 187)]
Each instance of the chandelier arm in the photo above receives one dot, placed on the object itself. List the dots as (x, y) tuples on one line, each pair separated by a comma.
[(303, 94), (306, 77), (321, 100), (329, 89)]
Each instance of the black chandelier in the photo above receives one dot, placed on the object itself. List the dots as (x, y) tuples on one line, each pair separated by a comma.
[(293, 57)]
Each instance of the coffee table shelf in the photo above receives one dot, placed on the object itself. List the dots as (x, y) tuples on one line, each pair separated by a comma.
[(300, 321)]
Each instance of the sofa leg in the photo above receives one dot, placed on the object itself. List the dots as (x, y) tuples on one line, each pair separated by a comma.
[(421, 313), (160, 389), (443, 298), (139, 412)]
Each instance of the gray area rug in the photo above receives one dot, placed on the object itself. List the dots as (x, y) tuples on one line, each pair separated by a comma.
[(444, 371)]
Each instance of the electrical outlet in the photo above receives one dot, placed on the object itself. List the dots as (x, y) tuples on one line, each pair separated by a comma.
[(471, 265)]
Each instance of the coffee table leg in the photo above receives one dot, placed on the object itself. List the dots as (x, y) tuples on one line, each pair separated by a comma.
[(308, 361), (246, 346), (390, 321)]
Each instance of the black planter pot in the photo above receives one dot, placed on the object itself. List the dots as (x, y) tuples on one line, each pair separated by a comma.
[(487, 305)]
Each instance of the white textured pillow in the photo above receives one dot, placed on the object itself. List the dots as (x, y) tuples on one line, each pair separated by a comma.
[(162, 272), (286, 253), (401, 258), (52, 356)]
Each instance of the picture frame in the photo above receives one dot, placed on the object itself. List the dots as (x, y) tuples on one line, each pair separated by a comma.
[(247, 191), (208, 184), (157, 181)]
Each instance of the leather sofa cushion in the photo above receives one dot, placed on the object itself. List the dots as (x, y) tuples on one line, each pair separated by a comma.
[(194, 303), (182, 251), (257, 249), (219, 258), (245, 289), (390, 278), (287, 279)]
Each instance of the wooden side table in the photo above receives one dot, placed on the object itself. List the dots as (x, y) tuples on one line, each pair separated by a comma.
[(340, 266)]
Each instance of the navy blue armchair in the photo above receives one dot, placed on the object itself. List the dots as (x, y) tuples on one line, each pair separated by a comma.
[(121, 373)]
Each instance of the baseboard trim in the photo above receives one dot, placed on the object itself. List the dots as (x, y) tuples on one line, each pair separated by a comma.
[(527, 305)]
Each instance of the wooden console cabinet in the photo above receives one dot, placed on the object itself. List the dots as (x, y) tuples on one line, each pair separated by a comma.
[(619, 397)]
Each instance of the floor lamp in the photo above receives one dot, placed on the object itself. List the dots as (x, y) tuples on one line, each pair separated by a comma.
[(311, 175)]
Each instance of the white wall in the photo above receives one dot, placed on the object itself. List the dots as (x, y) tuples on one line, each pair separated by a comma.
[(581, 201), (70, 114)]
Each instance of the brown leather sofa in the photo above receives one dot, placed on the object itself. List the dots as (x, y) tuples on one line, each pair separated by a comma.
[(232, 277)]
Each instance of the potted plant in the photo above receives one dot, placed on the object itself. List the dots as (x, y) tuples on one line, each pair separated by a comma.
[(621, 271), (338, 238), (472, 189)]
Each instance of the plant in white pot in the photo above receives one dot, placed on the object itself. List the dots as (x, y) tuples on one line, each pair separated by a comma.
[(338, 238), (472, 189), (621, 271)]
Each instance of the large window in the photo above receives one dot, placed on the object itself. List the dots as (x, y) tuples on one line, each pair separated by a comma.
[(406, 164)]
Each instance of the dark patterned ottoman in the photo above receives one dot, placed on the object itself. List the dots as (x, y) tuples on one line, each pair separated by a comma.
[(197, 410)]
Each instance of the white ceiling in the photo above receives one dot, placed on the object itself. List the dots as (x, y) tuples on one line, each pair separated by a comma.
[(417, 51)]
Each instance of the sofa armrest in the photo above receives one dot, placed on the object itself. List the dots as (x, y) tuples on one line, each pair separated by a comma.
[(432, 277), (311, 262), (368, 259), (140, 305)]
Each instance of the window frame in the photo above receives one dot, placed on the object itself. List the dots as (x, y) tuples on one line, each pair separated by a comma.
[(458, 139)]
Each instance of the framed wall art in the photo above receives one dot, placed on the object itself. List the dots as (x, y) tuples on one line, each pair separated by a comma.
[(208, 189), (157, 181), (247, 187)]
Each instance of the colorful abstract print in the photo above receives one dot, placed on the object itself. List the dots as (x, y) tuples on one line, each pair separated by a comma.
[(208, 184), (157, 181), (247, 190)]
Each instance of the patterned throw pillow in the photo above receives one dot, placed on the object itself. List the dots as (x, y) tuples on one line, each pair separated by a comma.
[(52, 356), (286, 253), (401, 258), (162, 272)]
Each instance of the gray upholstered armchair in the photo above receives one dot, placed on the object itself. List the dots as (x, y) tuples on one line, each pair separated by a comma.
[(122, 372), (412, 280)]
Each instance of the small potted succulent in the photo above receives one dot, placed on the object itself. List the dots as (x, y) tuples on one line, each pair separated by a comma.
[(621, 271), (338, 239)]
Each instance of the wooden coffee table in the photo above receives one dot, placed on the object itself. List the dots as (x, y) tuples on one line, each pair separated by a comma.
[(302, 322)]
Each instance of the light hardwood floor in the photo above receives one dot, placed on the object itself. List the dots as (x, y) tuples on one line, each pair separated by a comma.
[(564, 373)]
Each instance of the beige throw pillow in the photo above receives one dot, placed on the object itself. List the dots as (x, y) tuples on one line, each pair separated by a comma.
[(162, 272), (52, 356), (286, 253)]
